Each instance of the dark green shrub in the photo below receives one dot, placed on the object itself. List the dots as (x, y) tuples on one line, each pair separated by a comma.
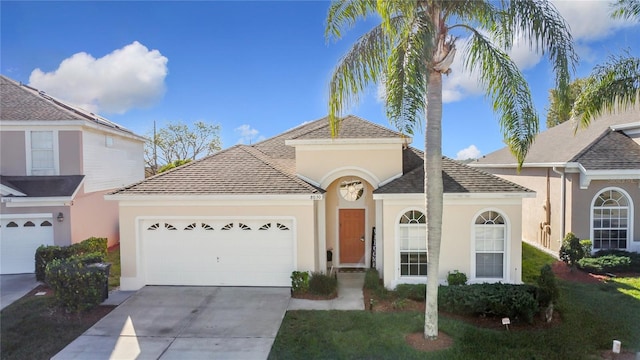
[(571, 251), (372, 279), (548, 292), (89, 258), (415, 292), (633, 256), (456, 278), (46, 254), (77, 286), (322, 284), (605, 264), (587, 247), (498, 300), (299, 282)]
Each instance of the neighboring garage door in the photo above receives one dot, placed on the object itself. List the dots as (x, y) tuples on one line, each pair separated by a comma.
[(213, 252), (20, 236)]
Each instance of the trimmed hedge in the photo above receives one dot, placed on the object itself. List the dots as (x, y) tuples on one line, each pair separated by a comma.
[(77, 282), (46, 254), (322, 284), (499, 300), (299, 282), (605, 264)]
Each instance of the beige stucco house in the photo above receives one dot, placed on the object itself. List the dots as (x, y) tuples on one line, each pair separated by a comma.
[(250, 215), (587, 181), (56, 164)]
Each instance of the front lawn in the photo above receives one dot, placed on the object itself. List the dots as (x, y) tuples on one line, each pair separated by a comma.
[(113, 257), (591, 317), (532, 260)]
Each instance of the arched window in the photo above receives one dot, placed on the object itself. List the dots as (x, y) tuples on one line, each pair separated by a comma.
[(490, 240), (611, 220), (413, 244)]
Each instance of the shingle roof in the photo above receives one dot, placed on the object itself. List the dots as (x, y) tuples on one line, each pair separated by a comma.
[(268, 167), (236, 170), (456, 178), (562, 143), (612, 151), (43, 186), (24, 103), (351, 127)]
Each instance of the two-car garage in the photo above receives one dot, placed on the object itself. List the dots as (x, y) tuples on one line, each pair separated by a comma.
[(217, 251)]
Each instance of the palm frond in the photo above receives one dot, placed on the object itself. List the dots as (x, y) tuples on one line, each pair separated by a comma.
[(614, 85), (509, 93), (627, 9), (343, 15)]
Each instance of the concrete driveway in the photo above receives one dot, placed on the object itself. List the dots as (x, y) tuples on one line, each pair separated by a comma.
[(13, 287), (175, 322)]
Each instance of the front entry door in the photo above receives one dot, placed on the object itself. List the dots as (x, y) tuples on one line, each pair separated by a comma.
[(351, 236)]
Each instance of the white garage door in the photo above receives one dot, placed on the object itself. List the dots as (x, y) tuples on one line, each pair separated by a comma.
[(208, 252), (20, 236)]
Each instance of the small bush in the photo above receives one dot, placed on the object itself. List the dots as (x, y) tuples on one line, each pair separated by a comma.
[(45, 254), (90, 245), (547, 292), (415, 292), (456, 278), (571, 250), (371, 279), (77, 286), (321, 284), (633, 256), (605, 264), (299, 282), (587, 247), (499, 300)]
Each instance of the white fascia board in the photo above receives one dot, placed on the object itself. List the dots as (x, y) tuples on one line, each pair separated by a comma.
[(6, 190), (37, 201), (27, 216), (629, 128), (384, 182), (203, 198), (312, 182), (524, 165), (363, 141), (587, 176), (452, 196)]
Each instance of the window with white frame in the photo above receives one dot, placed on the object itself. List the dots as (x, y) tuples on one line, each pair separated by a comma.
[(490, 235), (611, 218), (413, 244), (42, 153)]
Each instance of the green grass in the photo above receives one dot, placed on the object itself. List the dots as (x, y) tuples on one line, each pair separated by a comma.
[(592, 315), (532, 260), (113, 257)]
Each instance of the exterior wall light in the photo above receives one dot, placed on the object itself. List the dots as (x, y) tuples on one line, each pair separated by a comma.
[(60, 217)]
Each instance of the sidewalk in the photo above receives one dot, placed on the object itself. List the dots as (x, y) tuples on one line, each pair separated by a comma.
[(349, 296)]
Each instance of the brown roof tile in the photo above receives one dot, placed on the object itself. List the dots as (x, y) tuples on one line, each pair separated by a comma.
[(612, 151)]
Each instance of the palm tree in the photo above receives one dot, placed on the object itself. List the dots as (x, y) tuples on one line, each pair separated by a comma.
[(614, 84), (412, 48)]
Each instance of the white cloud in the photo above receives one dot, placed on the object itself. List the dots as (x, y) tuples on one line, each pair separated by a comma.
[(130, 77), (248, 135), (589, 19), (471, 152)]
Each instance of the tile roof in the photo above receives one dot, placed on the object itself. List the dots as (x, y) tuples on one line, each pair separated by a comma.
[(43, 186), (23, 103), (456, 178), (614, 150), (561, 143), (268, 167)]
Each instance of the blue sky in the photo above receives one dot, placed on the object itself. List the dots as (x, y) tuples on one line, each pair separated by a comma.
[(255, 68)]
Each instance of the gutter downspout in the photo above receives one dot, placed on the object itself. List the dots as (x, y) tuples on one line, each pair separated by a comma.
[(563, 208)]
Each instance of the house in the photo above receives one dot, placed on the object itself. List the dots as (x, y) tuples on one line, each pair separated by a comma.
[(56, 164), (587, 182), (250, 215)]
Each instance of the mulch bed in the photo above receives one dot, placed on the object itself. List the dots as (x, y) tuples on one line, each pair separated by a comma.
[(310, 296)]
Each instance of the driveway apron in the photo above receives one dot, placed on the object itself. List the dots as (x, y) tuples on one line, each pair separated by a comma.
[(13, 287), (175, 322)]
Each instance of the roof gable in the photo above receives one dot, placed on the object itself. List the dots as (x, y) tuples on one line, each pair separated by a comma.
[(613, 150)]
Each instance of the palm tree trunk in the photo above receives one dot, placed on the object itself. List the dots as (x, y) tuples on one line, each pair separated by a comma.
[(433, 189)]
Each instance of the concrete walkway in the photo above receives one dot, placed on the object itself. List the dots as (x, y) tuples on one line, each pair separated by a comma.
[(349, 296), (13, 287)]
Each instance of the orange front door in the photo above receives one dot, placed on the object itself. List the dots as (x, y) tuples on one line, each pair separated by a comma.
[(351, 236)]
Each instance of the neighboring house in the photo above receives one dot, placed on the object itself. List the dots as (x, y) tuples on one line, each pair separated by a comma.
[(250, 215), (56, 164), (587, 182)]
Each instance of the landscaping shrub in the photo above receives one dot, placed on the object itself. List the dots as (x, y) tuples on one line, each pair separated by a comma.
[(299, 282), (45, 254), (571, 250), (456, 278), (548, 291), (322, 284), (371, 279), (499, 300), (605, 263), (633, 256), (587, 247), (415, 292), (77, 284)]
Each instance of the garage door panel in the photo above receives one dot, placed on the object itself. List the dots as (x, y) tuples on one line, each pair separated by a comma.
[(19, 240), (252, 252)]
